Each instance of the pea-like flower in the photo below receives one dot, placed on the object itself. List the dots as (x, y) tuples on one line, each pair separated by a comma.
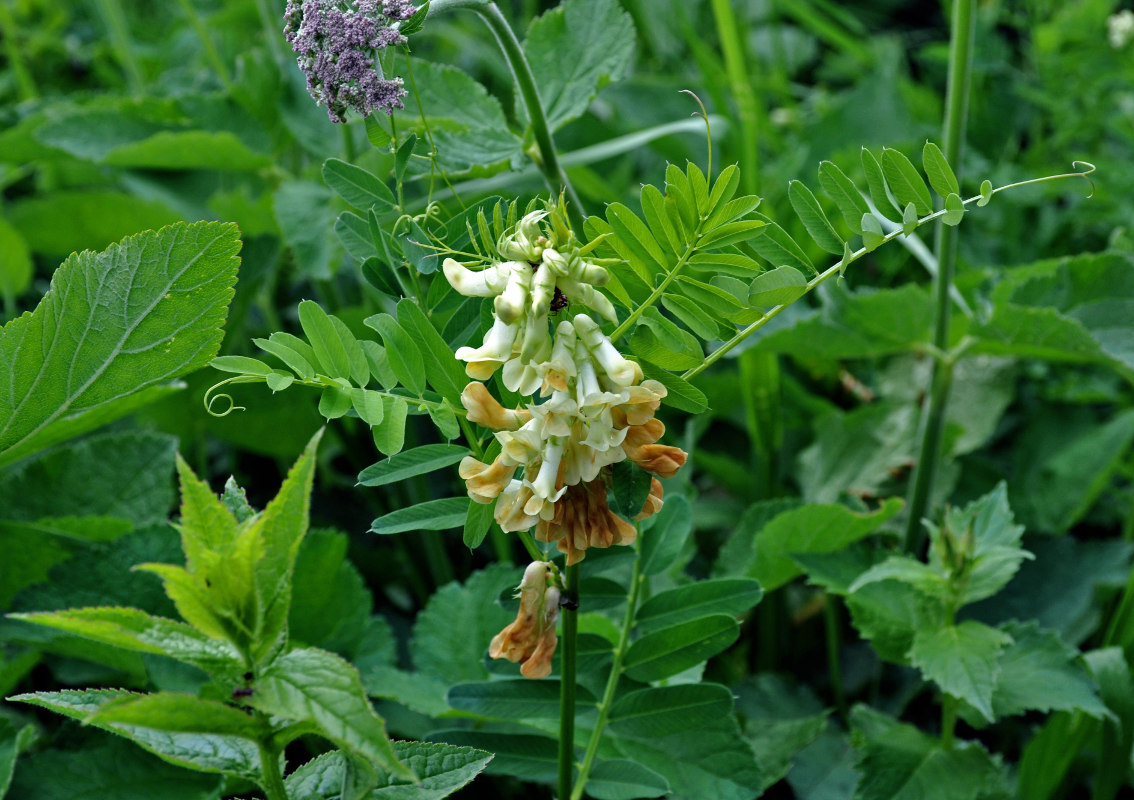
[(530, 640)]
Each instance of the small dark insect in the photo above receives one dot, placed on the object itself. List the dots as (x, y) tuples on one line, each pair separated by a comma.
[(568, 604), (248, 676), (242, 691), (559, 302)]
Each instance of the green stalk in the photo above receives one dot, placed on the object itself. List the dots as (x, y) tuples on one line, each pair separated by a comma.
[(272, 784), (948, 721), (548, 158), (272, 23), (8, 30), (211, 53), (933, 423), (834, 668), (567, 659), (747, 106), (115, 21), (636, 581)]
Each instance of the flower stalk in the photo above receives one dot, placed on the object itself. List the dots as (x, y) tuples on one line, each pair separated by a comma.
[(567, 680)]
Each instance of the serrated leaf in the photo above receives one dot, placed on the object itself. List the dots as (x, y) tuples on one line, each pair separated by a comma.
[(660, 711), (575, 50), (963, 660), (1039, 672), (325, 341), (431, 515), (940, 174), (846, 195), (811, 214), (401, 351), (776, 247), (417, 461), (721, 596), (176, 713), (317, 686), (357, 186), (906, 183), (114, 327), (671, 650), (777, 287)]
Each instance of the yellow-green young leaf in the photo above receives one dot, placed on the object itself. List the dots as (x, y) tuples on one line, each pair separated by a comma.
[(811, 214), (954, 210), (417, 461), (206, 525), (391, 434), (941, 176), (334, 402), (112, 333), (368, 405), (872, 233), (876, 183), (985, 193), (191, 599), (662, 710), (777, 287), (963, 660), (777, 248), (904, 180), (432, 515), (846, 195), (316, 686), (177, 713), (402, 352), (909, 219), (324, 338), (241, 365), (671, 650)]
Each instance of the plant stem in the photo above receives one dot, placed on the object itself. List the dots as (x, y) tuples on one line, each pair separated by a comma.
[(8, 30), (933, 423), (548, 158), (636, 580), (567, 660), (272, 23), (272, 784), (115, 21), (834, 669), (948, 719), (211, 53), (747, 106)]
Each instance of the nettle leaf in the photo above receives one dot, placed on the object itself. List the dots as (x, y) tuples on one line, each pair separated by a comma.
[(899, 762), (331, 605), (441, 768), (13, 741), (317, 686), (1039, 672), (575, 50), (780, 720), (964, 660), (113, 331)]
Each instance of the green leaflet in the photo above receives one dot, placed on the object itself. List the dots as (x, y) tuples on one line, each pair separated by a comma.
[(518, 698), (660, 711), (431, 515), (809, 211), (723, 596), (621, 779), (671, 650), (105, 355), (409, 463), (402, 352), (357, 186)]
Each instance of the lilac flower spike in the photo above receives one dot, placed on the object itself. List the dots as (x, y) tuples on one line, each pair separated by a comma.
[(337, 43)]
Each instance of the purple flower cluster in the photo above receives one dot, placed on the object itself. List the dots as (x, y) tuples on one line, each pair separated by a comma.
[(337, 43)]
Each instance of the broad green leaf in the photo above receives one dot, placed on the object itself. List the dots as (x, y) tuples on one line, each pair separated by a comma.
[(575, 50), (671, 650), (431, 515), (682, 394), (136, 630), (899, 762), (518, 698), (442, 769), (391, 434), (317, 686), (996, 551), (663, 540), (1044, 333), (356, 237), (379, 364), (176, 713), (777, 287), (472, 609), (401, 351), (358, 187), (661, 342), (846, 195), (660, 711), (906, 570), (722, 596), (325, 341), (356, 356), (723, 263), (293, 351), (713, 761), (778, 248), (904, 180), (621, 779), (941, 176), (409, 463), (1039, 672), (811, 215), (109, 769), (964, 660), (811, 529), (96, 218), (693, 316), (113, 325), (334, 402), (630, 486), (16, 270), (444, 372)]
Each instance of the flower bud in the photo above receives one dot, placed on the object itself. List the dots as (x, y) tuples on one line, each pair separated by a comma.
[(511, 304), (488, 282), (485, 410)]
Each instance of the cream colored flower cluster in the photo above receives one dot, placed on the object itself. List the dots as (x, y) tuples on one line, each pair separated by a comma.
[(597, 409)]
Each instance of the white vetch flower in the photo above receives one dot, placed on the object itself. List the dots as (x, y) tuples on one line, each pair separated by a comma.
[(621, 370), (493, 351), (488, 282)]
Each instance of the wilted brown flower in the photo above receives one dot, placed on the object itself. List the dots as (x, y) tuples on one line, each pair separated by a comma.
[(530, 639)]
